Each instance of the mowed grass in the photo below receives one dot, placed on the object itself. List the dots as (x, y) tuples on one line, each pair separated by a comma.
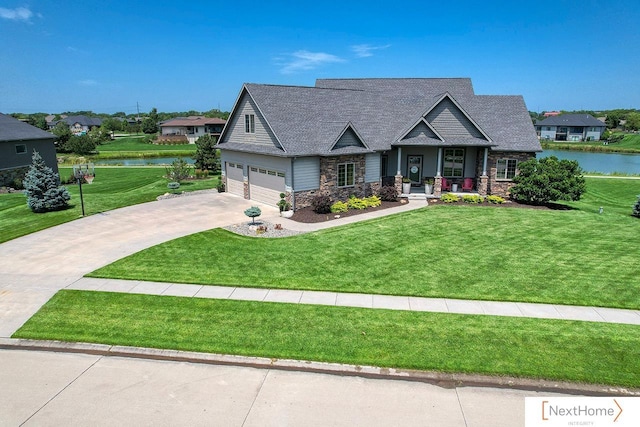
[(136, 147), (574, 257), (112, 188), (552, 349)]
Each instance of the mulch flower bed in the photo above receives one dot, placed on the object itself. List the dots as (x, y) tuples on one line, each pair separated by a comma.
[(307, 215)]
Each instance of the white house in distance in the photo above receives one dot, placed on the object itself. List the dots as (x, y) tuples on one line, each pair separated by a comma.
[(191, 128), (571, 127)]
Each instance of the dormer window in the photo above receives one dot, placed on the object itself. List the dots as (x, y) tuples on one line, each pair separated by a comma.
[(249, 123)]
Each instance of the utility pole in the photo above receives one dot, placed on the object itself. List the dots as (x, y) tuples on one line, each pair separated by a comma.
[(138, 118)]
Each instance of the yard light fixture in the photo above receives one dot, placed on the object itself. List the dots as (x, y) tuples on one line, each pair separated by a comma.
[(83, 172), (601, 209)]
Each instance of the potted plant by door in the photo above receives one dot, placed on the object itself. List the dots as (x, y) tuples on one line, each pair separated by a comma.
[(285, 207), (428, 185), (406, 185)]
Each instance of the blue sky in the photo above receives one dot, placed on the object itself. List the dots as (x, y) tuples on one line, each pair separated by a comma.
[(107, 56)]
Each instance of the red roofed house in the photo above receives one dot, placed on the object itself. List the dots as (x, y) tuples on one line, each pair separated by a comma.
[(191, 128)]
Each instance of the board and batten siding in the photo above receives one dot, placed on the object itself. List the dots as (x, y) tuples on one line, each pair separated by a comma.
[(263, 134), (450, 121), (420, 129), (372, 167), (306, 172)]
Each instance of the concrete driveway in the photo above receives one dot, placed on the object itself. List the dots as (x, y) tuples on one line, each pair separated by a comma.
[(34, 267)]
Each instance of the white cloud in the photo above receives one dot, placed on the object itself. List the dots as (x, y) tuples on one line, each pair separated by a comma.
[(88, 82), (304, 60), (17, 14), (365, 50)]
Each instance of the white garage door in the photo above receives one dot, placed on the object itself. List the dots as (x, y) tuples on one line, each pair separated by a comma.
[(235, 179), (265, 185)]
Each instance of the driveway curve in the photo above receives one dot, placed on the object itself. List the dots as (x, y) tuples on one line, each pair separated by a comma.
[(34, 267)]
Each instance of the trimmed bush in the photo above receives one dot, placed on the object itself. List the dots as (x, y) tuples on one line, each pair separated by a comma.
[(253, 212), (373, 201), (173, 185), (497, 200), (355, 203), (220, 187), (339, 207), (472, 198), (449, 198), (636, 208), (547, 180), (388, 193), (321, 204)]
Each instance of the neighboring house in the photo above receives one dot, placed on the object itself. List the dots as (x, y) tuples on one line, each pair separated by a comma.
[(79, 125), (18, 140), (192, 127), (571, 127), (351, 136)]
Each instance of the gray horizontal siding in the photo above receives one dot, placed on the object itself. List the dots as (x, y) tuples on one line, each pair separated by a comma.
[(450, 122), (306, 173), (372, 167)]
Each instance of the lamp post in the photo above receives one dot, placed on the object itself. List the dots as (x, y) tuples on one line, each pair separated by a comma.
[(83, 172)]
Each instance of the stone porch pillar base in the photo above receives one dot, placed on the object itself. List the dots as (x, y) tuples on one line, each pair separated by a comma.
[(437, 186), (483, 183), (397, 183)]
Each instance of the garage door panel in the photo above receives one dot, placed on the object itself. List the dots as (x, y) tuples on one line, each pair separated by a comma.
[(235, 179), (265, 185)]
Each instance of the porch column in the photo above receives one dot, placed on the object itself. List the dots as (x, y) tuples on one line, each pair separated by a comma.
[(484, 161), (439, 169), (398, 178)]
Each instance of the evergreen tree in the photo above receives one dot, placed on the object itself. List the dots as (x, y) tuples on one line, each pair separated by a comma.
[(548, 179), (206, 157), (42, 187), (636, 208)]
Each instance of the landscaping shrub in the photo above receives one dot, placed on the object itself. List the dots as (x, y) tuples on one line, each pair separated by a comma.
[(472, 198), (220, 187), (42, 187), (173, 185), (202, 174), (356, 203), (253, 212), (636, 208), (388, 193), (321, 204), (373, 201), (339, 207), (449, 198), (548, 179), (178, 171), (495, 200)]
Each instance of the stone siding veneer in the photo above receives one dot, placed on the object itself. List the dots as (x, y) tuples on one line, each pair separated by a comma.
[(497, 187)]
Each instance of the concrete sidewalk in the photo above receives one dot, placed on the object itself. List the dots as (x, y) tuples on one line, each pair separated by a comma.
[(83, 389), (439, 305)]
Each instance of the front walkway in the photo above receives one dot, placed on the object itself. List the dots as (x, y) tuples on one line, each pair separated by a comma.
[(439, 305)]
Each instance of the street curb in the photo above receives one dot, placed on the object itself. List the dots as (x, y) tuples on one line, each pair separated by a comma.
[(445, 380)]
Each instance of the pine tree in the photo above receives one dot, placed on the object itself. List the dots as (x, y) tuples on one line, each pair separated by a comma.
[(636, 208), (42, 187), (206, 157)]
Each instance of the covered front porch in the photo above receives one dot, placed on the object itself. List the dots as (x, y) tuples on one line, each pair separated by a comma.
[(432, 171)]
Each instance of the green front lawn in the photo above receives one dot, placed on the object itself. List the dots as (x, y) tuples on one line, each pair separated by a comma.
[(112, 188), (535, 348), (575, 257)]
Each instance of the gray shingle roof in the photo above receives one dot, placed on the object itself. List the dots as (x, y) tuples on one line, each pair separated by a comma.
[(308, 120), (12, 129), (83, 120), (571, 120)]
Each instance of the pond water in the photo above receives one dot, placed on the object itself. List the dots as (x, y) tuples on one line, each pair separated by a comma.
[(155, 161), (606, 163)]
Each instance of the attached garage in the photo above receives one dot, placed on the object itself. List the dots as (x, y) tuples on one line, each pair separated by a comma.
[(265, 185), (235, 179)]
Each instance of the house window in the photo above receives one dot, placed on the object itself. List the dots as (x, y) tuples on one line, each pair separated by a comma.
[(548, 128), (576, 130), (250, 123), (453, 162), (346, 174), (21, 149), (506, 169), (384, 165)]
